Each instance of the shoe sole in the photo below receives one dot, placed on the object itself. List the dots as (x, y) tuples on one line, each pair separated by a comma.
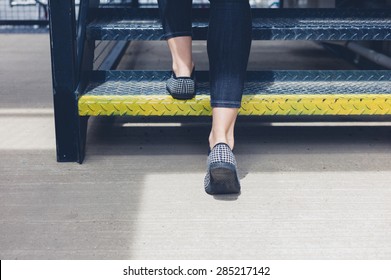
[(223, 179), (181, 96)]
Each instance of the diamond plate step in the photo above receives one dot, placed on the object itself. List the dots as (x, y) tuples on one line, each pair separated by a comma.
[(143, 93), (268, 24)]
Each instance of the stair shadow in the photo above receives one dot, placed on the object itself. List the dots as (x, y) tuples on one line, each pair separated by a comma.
[(340, 148)]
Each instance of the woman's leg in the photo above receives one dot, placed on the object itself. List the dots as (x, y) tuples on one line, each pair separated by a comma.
[(176, 21), (229, 43), (223, 124), (181, 53)]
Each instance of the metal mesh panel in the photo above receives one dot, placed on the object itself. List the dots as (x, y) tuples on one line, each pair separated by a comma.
[(21, 10), (37, 10), (18, 12)]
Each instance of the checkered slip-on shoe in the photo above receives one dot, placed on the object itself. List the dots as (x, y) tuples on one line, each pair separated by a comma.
[(181, 87), (221, 176)]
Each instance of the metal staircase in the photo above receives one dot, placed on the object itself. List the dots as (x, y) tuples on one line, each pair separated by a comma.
[(80, 92)]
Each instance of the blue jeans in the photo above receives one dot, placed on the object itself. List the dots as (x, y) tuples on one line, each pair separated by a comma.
[(229, 43)]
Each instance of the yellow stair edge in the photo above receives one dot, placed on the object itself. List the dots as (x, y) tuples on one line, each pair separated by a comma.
[(252, 105)]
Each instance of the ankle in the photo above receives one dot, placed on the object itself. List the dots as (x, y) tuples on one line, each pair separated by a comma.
[(183, 69), (220, 138)]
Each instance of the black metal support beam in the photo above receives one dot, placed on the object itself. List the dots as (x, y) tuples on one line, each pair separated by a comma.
[(65, 81)]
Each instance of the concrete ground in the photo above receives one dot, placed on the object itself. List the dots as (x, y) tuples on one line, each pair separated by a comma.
[(313, 191)]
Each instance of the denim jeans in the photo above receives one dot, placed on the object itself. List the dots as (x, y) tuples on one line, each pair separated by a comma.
[(228, 45)]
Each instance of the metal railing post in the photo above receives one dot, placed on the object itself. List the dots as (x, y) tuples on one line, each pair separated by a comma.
[(63, 42)]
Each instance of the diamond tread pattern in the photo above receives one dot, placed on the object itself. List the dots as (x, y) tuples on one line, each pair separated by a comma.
[(268, 24), (268, 93)]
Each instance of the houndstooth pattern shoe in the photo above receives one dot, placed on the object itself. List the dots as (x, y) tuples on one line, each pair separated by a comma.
[(181, 87), (221, 176)]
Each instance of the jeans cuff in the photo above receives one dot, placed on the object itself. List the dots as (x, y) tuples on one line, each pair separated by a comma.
[(177, 34), (225, 104)]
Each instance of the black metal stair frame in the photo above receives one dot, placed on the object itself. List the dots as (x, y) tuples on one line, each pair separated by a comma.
[(71, 56), (72, 45)]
